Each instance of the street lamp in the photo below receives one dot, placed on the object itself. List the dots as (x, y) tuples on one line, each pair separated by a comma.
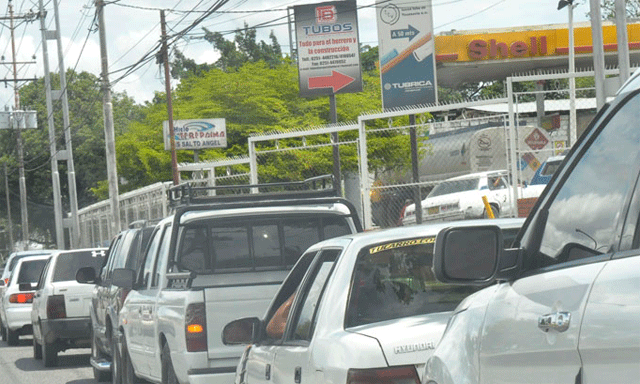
[(573, 135)]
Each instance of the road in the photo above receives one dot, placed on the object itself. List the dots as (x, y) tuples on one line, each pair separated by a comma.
[(17, 366)]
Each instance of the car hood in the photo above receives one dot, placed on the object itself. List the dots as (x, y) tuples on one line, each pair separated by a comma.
[(450, 198), (409, 340)]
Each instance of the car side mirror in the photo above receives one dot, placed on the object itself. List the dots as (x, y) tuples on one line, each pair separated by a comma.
[(242, 331), (468, 255), (86, 275), (25, 287), (123, 278)]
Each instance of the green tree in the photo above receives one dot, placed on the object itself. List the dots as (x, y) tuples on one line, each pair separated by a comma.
[(244, 48)]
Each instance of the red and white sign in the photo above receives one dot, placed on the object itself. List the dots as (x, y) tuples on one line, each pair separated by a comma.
[(326, 14), (536, 140)]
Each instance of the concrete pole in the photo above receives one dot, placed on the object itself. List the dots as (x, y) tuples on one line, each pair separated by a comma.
[(10, 221), (55, 173), (573, 133), (109, 135), (24, 215), (74, 231), (623, 41), (598, 50), (333, 111), (167, 84)]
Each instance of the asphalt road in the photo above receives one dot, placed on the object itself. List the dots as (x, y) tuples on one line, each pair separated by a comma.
[(17, 366)]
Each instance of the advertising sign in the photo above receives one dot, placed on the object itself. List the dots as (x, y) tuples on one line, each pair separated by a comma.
[(328, 48), (196, 134), (407, 52)]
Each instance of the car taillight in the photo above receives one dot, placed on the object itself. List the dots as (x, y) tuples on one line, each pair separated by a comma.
[(56, 308), (6, 281), (21, 298), (196, 327), (392, 375)]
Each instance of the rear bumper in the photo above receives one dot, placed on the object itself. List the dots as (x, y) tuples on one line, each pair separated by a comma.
[(76, 328), (195, 368), (19, 316)]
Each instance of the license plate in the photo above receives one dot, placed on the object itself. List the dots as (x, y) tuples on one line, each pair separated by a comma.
[(433, 210)]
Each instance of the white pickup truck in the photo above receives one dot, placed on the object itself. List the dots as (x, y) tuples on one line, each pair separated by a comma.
[(460, 198), (211, 262)]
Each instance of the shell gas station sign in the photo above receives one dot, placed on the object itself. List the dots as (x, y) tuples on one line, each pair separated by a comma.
[(494, 54)]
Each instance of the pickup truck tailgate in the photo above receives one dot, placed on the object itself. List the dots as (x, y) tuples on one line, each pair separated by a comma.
[(228, 303), (77, 297)]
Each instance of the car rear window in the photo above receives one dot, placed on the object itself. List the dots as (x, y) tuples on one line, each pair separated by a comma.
[(394, 280), (30, 271), (68, 263), (454, 186), (254, 244), (16, 258)]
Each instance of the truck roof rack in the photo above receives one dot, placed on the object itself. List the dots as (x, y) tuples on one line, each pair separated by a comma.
[(187, 194)]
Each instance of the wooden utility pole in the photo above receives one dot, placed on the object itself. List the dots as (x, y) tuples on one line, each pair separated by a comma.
[(22, 181), (109, 135), (167, 83)]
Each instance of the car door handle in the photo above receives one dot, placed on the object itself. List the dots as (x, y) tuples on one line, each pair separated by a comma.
[(558, 321), (297, 376)]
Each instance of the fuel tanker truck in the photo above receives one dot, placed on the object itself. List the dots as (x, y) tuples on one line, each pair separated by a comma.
[(448, 153)]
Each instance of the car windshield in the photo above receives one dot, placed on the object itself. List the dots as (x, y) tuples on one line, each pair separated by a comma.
[(550, 168), (30, 271), (68, 264), (453, 186), (394, 280)]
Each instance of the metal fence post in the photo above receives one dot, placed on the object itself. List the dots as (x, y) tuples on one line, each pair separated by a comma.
[(367, 221), (513, 168)]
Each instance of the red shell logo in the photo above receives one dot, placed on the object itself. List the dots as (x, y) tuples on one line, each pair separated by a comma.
[(536, 140)]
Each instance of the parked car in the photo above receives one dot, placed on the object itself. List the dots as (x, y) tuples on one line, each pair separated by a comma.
[(60, 309), (460, 198), (364, 308), (215, 259), (125, 251), (18, 296), (566, 305)]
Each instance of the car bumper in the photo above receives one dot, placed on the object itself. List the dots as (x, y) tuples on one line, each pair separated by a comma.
[(447, 216), (207, 376), (195, 368), (77, 328), (18, 316)]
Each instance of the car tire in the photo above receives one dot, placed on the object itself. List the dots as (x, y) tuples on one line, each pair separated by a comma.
[(496, 212), (168, 373), (37, 349), (128, 374), (3, 330), (116, 363), (49, 354), (100, 376), (13, 337)]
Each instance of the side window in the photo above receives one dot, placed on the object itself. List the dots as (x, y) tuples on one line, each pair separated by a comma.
[(112, 254), (334, 227), (497, 182), (305, 316), (149, 258), (583, 216), (276, 318), (43, 276), (163, 255)]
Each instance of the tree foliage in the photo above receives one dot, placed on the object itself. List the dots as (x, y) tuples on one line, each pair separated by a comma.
[(609, 9)]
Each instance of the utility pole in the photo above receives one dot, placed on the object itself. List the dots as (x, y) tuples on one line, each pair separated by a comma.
[(109, 135), (67, 153), (22, 181), (6, 191), (167, 83)]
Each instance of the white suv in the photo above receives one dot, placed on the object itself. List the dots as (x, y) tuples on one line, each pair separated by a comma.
[(566, 305), (60, 310)]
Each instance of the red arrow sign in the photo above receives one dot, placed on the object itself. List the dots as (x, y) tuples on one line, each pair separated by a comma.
[(337, 81)]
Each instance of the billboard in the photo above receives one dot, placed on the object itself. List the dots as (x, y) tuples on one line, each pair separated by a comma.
[(328, 48), (196, 134), (407, 52)]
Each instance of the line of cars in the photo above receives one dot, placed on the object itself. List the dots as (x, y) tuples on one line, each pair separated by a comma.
[(561, 304)]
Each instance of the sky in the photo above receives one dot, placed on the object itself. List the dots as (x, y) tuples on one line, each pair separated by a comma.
[(133, 29)]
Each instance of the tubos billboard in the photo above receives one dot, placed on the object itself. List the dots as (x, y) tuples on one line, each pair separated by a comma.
[(406, 49), (196, 134), (328, 48)]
